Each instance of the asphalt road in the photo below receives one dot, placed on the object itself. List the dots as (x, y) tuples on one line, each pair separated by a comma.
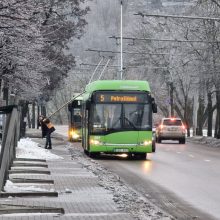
[(184, 180)]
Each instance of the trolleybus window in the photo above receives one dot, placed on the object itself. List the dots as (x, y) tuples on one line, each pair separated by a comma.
[(136, 116), (112, 117), (105, 117)]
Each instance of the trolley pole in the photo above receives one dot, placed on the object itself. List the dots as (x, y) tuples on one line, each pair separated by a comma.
[(65, 104), (96, 69)]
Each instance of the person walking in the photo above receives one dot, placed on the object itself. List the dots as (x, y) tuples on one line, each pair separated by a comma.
[(47, 128)]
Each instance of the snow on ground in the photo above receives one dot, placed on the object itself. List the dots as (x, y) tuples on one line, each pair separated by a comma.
[(11, 187), (204, 140), (62, 129), (208, 141), (29, 149)]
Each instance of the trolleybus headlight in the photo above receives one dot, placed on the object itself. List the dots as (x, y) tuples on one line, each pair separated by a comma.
[(95, 142), (74, 134), (145, 143)]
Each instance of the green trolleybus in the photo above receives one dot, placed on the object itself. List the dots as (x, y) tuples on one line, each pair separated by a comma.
[(117, 118), (75, 119)]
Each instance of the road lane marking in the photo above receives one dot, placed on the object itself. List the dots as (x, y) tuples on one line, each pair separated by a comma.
[(178, 152), (190, 155), (207, 160)]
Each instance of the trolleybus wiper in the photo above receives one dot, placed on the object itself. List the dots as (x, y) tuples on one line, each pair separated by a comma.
[(131, 123)]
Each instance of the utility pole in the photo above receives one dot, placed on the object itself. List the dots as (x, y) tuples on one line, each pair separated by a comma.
[(121, 39), (195, 109)]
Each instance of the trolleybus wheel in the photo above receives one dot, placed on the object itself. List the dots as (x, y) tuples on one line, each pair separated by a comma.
[(182, 141), (94, 154), (153, 146), (86, 152), (130, 156), (142, 156)]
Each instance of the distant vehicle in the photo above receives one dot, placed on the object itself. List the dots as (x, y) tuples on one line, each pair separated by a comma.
[(171, 129), (117, 118), (75, 120)]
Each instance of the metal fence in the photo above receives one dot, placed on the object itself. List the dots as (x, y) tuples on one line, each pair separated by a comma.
[(10, 137)]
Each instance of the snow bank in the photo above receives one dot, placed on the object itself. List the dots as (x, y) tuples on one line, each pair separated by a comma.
[(11, 187), (29, 149), (209, 141)]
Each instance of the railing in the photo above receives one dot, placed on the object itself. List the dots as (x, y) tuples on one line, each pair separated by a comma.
[(10, 137)]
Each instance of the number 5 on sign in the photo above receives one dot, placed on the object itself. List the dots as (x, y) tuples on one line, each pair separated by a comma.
[(102, 98)]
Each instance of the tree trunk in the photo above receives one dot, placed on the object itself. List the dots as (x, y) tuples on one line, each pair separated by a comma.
[(23, 122), (38, 113), (33, 115), (216, 125), (200, 115), (43, 110), (187, 128), (29, 118), (5, 94), (218, 115), (210, 115)]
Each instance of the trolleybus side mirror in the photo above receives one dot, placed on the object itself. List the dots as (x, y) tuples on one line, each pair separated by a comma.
[(154, 105)]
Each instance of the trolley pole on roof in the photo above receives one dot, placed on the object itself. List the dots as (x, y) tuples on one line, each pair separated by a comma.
[(96, 69), (64, 105), (104, 68)]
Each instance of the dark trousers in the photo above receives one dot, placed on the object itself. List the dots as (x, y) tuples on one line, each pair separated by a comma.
[(48, 141)]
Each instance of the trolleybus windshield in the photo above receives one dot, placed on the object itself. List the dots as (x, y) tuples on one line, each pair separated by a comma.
[(132, 112)]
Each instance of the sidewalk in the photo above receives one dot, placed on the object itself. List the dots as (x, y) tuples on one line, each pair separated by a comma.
[(80, 196)]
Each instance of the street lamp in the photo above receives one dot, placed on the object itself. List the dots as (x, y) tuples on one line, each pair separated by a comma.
[(121, 39)]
